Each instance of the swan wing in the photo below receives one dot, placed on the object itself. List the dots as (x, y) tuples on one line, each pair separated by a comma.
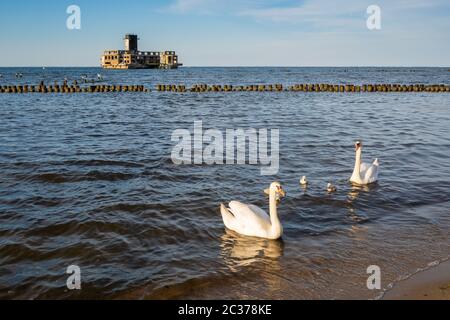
[(370, 173), (228, 218), (364, 167), (249, 216)]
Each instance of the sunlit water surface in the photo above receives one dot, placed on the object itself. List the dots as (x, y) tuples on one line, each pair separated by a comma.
[(87, 180)]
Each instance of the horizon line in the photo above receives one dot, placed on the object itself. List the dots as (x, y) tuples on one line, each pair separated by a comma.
[(248, 66)]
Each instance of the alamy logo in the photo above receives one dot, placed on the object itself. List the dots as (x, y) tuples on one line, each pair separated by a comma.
[(74, 280), (74, 20), (213, 147), (374, 19), (374, 280)]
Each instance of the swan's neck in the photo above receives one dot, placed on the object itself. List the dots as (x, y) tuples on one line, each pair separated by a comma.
[(274, 220), (357, 171)]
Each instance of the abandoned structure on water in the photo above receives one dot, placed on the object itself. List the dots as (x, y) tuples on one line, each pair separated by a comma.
[(132, 58)]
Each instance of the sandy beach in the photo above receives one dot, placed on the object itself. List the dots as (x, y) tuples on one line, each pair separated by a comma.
[(431, 284)]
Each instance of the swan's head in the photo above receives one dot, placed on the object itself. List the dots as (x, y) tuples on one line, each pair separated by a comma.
[(358, 145), (278, 189)]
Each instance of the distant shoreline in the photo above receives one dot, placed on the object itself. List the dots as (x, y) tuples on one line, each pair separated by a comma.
[(297, 67)]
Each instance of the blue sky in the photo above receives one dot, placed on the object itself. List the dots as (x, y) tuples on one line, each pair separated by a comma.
[(231, 32)]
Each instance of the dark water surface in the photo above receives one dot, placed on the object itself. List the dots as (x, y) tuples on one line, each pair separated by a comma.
[(87, 180)]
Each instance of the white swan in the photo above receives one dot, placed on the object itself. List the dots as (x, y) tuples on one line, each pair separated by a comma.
[(364, 174), (249, 220)]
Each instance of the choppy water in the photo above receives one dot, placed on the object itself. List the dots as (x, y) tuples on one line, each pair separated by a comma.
[(88, 180)]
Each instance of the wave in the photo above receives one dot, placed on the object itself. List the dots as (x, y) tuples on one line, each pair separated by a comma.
[(58, 178), (101, 163)]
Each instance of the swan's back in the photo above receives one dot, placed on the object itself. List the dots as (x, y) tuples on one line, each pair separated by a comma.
[(249, 213), (370, 174), (246, 219)]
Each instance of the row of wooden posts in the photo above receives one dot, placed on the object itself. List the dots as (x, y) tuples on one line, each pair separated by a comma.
[(75, 88), (307, 88)]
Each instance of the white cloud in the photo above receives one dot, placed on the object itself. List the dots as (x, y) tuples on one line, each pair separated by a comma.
[(194, 6), (339, 11), (232, 7), (323, 32)]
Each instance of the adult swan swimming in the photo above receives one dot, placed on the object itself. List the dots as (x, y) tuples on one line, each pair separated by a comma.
[(364, 174), (249, 220)]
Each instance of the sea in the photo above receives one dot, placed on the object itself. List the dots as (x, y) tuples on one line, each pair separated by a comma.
[(88, 180)]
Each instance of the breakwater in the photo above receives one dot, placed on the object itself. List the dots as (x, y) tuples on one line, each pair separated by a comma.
[(73, 88), (306, 88), (200, 88)]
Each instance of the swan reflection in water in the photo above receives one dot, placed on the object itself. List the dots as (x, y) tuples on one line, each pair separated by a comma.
[(248, 255), (357, 228), (356, 190)]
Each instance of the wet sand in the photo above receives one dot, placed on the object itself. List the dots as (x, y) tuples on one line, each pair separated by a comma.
[(431, 284)]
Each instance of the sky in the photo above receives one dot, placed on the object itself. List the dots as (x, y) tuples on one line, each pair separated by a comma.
[(230, 32)]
